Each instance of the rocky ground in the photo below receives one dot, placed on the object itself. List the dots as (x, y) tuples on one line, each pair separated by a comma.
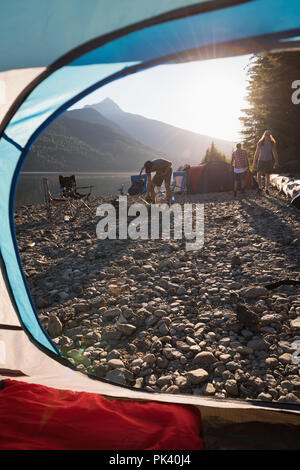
[(151, 315)]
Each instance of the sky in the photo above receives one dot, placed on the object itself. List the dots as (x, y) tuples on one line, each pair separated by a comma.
[(204, 97)]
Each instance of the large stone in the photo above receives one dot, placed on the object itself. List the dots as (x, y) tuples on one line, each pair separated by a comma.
[(117, 376), (204, 358), (231, 387), (208, 389), (257, 345), (114, 354), (54, 326), (181, 381), (254, 292), (235, 261), (82, 307), (270, 318), (163, 329), (181, 290), (150, 358), (164, 380), (111, 313), (197, 376), (111, 334), (295, 323), (126, 328), (115, 363), (285, 358)]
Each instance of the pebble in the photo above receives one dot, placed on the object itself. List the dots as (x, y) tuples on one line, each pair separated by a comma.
[(150, 315)]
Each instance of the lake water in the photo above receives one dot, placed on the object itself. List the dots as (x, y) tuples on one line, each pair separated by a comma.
[(30, 189)]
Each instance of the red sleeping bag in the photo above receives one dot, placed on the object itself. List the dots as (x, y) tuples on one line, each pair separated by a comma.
[(35, 417)]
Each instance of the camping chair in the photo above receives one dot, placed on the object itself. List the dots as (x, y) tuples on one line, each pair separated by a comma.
[(136, 185), (179, 183), (67, 197)]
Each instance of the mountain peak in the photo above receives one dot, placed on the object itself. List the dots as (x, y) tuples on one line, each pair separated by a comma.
[(107, 106)]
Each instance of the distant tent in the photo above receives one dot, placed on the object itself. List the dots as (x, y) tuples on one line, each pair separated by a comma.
[(213, 177), (53, 54)]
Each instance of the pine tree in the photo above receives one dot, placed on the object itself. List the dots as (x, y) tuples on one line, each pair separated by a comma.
[(270, 78), (212, 154)]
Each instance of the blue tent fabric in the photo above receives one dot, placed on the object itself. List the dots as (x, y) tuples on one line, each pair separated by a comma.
[(83, 47)]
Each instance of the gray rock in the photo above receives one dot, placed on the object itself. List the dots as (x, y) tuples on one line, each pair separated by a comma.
[(82, 307), (244, 350), (231, 387), (235, 261), (257, 345), (204, 358), (289, 398), (181, 381), (265, 396), (162, 362), (117, 376), (172, 389), (181, 290), (111, 334), (270, 318), (151, 320), (126, 328), (115, 363), (101, 370), (208, 389), (150, 359), (111, 313), (54, 326), (114, 354), (197, 376), (163, 329), (271, 362), (254, 292), (139, 382), (295, 324), (164, 380), (285, 358), (160, 313), (182, 346), (137, 362)]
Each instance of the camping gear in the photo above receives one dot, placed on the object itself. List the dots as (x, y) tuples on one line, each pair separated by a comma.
[(41, 416), (66, 202), (53, 54), (179, 180), (288, 185), (138, 185)]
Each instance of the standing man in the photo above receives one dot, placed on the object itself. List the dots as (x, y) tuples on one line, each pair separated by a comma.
[(265, 151), (163, 174), (240, 166)]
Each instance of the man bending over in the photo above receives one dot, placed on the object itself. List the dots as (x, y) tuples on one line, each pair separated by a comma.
[(163, 174)]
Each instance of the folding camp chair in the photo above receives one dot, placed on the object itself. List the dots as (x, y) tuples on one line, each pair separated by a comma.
[(67, 197), (135, 180), (179, 184)]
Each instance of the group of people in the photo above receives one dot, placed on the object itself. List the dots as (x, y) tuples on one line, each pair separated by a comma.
[(265, 155)]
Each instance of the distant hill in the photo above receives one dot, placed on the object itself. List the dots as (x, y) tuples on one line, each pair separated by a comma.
[(102, 137), (91, 144), (180, 145)]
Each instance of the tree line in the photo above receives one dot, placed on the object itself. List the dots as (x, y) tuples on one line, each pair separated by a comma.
[(272, 79), (269, 93)]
